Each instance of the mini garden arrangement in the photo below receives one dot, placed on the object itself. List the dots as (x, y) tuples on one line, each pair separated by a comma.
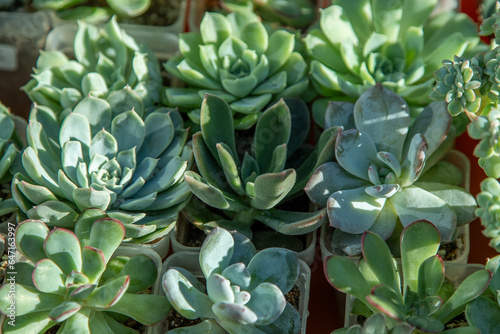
[(189, 188)]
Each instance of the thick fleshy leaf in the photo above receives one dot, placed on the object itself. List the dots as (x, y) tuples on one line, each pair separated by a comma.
[(164, 178), (271, 188), (278, 266), (219, 289), (483, 313), (124, 100), (216, 252), (65, 310), (142, 271), (93, 263), (430, 276), (346, 277), (106, 235), (353, 211), (332, 20), (387, 306), (419, 241), (268, 302), (29, 300), (385, 117), (128, 129), (190, 302), (378, 256), (217, 124), (104, 144), (86, 198), (291, 223), (30, 236), (160, 132), (273, 129), (234, 313), (48, 278), (108, 294), (63, 247), (230, 168), (75, 127), (355, 152), (29, 323), (138, 307), (54, 213), (468, 290), (214, 28), (281, 45), (413, 203), (238, 274)]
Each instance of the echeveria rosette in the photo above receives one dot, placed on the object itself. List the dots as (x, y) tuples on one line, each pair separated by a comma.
[(235, 58), (415, 292), (486, 128), (244, 289), (248, 185), (107, 59), (373, 182), (11, 141), (489, 210), (361, 43), (71, 279), (105, 155)]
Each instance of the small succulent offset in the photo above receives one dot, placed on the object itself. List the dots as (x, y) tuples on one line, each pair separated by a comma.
[(11, 141), (244, 289), (251, 189), (373, 184), (484, 311), (489, 210), (107, 60), (396, 43), (72, 280), (106, 154), (235, 58), (422, 297), (78, 10), (292, 13)]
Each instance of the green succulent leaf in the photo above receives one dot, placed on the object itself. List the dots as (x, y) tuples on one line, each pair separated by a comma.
[(274, 265), (30, 236), (63, 248)]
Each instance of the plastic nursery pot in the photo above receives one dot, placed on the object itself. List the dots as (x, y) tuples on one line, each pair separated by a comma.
[(190, 262), (465, 269), (21, 36), (176, 27), (183, 229), (163, 44), (461, 243)]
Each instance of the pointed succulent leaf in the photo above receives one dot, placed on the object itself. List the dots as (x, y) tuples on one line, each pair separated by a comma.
[(184, 297), (96, 111), (281, 45), (86, 198), (273, 129), (355, 152), (414, 165), (54, 213), (208, 166), (75, 127), (413, 203), (271, 188), (278, 266), (353, 210), (138, 307), (65, 310), (128, 129), (382, 190), (230, 168), (419, 241), (291, 223), (214, 28), (387, 307), (217, 124), (333, 19), (385, 117), (30, 236)]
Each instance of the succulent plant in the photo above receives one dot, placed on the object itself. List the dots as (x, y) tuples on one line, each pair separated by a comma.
[(235, 58), (253, 188), (486, 128), (418, 293), (107, 60), (484, 311), (80, 10), (373, 182), (11, 141), (489, 210), (72, 280), (376, 323), (104, 155), (361, 43), (244, 289), (293, 13)]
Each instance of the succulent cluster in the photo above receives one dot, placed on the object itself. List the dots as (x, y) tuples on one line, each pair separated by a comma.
[(235, 58), (72, 280), (251, 188), (489, 210), (106, 154), (11, 141), (418, 294), (373, 182), (244, 289), (107, 59), (359, 44)]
